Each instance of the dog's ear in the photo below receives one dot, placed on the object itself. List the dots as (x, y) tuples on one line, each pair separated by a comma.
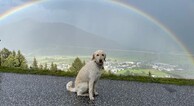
[(93, 56)]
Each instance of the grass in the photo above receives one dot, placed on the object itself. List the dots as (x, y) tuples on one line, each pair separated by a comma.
[(145, 79), (38, 72), (143, 72)]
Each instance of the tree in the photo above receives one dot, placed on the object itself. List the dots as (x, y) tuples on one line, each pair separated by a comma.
[(3, 55), (10, 61), (35, 64), (40, 67), (20, 60), (76, 65), (45, 66), (14, 53), (53, 67)]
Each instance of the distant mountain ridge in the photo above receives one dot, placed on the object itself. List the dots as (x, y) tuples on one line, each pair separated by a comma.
[(52, 38)]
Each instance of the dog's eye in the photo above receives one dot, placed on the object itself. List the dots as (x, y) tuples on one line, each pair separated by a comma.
[(102, 54), (97, 55)]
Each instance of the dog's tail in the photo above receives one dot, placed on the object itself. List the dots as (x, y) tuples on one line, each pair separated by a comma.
[(70, 87)]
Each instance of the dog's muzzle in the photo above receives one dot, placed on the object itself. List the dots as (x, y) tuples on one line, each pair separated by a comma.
[(100, 62)]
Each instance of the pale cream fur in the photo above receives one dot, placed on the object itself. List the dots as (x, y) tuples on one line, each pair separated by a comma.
[(86, 79)]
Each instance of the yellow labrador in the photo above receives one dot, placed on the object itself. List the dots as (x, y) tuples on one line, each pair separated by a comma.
[(85, 82)]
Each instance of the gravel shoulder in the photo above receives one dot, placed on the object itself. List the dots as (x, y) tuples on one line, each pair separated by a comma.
[(36, 90)]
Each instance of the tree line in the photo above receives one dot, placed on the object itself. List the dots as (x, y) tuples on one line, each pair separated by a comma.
[(35, 66), (13, 59)]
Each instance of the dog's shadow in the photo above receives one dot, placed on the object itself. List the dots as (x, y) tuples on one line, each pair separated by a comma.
[(81, 100)]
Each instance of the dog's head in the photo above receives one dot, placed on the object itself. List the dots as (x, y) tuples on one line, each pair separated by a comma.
[(99, 57)]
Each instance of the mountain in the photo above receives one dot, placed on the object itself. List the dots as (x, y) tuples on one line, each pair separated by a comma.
[(43, 38)]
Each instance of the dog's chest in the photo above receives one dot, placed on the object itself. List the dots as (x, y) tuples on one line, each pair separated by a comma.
[(95, 74), (94, 70), (98, 74)]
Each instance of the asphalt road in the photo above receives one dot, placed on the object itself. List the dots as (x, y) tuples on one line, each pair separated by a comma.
[(35, 90)]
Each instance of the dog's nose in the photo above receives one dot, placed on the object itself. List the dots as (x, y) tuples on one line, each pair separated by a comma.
[(100, 61)]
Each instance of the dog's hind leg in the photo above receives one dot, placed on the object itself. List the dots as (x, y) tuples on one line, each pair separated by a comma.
[(82, 89)]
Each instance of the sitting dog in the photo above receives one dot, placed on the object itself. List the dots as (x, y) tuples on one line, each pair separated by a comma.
[(87, 77)]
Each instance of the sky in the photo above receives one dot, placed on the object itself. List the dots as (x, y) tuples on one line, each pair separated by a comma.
[(175, 15)]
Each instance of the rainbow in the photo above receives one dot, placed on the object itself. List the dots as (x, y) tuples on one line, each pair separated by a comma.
[(116, 3), (18, 8), (156, 22)]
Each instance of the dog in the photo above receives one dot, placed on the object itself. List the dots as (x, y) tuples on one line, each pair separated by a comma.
[(87, 77)]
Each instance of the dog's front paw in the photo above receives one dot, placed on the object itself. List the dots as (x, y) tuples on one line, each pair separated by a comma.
[(91, 98), (96, 93)]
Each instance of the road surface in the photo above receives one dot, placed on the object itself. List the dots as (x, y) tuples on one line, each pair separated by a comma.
[(36, 90)]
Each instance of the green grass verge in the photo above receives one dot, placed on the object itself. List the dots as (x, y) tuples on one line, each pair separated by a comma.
[(146, 79), (38, 72), (104, 76), (143, 72)]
